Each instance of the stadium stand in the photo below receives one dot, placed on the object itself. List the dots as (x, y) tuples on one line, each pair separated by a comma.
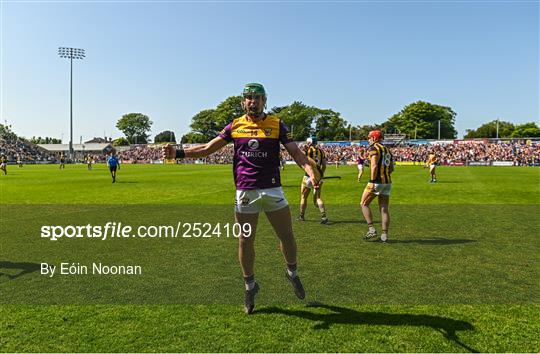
[(26, 151), (459, 152), (141, 154), (516, 152)]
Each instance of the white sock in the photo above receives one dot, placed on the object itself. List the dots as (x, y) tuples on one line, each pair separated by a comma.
[(250, 285), (292, 273), (384, 237), (372, 229)]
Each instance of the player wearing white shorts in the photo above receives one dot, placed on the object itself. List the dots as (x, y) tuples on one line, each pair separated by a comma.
[(432, 163), (89, 161), (360, 160), (3, 163), (62, 161), (257, 137), (379, 185), (318, 160)]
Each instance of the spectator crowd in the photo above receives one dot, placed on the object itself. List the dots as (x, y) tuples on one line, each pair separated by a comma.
[(140, 154), (520, 153), (21, 150)]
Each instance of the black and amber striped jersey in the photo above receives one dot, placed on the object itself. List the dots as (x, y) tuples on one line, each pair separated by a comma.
[(384, 162), (432, 159), (317, 155)]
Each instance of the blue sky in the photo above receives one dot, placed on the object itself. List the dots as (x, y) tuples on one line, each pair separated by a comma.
[(170, 60)]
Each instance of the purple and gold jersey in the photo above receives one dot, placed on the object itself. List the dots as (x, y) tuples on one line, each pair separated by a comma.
[(256, 151), (360, 160)]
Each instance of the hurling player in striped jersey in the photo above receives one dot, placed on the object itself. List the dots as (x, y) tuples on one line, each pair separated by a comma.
[(3, 163), (316, 155), (379, 185), (432, 163), (257, 137)]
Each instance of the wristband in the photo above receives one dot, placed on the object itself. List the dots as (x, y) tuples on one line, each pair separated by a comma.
[(180, 153)]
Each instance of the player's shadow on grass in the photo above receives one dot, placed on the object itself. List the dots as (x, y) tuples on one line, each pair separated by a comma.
[(333, 222), (23, 267), (433, 241), (342, 315)]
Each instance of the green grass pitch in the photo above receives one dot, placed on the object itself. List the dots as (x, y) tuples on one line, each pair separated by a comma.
[(460, 273)]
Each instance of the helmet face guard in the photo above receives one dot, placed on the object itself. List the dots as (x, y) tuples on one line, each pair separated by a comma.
[(251, 90)]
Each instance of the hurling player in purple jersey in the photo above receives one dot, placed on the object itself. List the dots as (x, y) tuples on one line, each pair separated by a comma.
[(257, 138), (360, 160)]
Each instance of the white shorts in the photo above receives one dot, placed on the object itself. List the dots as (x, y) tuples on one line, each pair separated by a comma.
[(432, 167), (256, 200), (381, 188), (3, 165), (306, 182)]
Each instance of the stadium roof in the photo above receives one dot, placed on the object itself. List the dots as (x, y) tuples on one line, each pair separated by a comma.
[(76, 147)]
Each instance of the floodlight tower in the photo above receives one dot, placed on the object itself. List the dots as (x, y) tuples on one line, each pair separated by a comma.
[(71, 53)]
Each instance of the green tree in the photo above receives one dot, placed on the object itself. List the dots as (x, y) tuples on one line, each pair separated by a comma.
[(527, 130), (45, 140), (421, 119), (135, 127), (194, 138), (6, 133), (227, 110), (204, 123), (489, 130), (329, 125), (361, 132), (165, 136), (207, 124), (120, 142), (275, 110), (298, 118)]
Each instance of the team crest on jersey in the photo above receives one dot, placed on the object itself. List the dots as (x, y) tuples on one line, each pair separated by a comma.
[(253, 144), (244, 201), (268, 131)]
